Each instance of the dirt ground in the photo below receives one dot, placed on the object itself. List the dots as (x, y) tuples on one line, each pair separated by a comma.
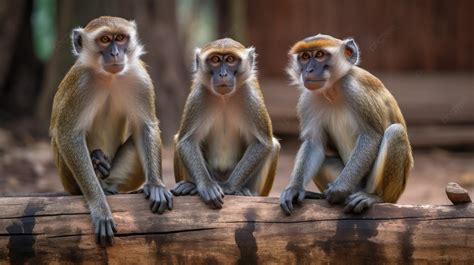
[(27, 166)]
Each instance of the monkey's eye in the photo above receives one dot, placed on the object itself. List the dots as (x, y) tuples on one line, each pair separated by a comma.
[(319, 54), (230, 59), (105, 39), (305, 55), (119, 37), (215, 59)]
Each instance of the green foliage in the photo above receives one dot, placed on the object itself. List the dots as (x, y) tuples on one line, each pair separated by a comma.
[(43, 21)]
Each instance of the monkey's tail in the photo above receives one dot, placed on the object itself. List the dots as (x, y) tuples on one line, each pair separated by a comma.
[(313, 195)]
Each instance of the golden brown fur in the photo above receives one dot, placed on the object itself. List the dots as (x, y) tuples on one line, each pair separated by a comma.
[(225, 143)]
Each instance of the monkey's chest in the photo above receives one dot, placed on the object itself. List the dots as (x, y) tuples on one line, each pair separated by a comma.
[(109, 130), (342, 130), (223, 148)]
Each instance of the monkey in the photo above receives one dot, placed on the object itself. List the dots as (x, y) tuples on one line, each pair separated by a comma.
[(355, 145), (104, 130), (225, 142)]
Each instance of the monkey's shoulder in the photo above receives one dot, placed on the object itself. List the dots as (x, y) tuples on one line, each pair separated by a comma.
[(366, 79)]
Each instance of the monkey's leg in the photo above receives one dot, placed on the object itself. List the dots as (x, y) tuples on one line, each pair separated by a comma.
[(126, 173), (262, 181), (387, 179), (330, 169)]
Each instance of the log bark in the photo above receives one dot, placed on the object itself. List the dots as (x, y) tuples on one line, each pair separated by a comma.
[(248, 230)]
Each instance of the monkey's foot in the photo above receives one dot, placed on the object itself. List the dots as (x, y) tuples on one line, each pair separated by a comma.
[(105, 229), (359, 201), (160, 198), (338, 191), (101, 164), (183, 188)]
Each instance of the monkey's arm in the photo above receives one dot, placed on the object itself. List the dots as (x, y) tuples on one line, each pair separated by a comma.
[(188, 149), (147, 137), (72, 146), (359, 164), (308, 162), (191, 155)]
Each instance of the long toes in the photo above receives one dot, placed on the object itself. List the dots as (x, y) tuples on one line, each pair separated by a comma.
[(187, 188), (193, 191), (362, 205), (105, 173), (178, 189), (353, 203)]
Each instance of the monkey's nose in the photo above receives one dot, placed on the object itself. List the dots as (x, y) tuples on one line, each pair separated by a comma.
[(309, 70), (223, 74)]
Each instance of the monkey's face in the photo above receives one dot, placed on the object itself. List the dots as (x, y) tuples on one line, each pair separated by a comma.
[(223, 69), (319, 61), (107, 44), (112, 48), (314, 66)]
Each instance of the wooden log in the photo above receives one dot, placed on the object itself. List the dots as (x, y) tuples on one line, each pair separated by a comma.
[(248, 230)]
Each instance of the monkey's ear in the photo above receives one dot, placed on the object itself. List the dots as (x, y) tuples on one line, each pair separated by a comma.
[(134, 24), (197, 59), (351, 51), (76, 40), (251, 55)]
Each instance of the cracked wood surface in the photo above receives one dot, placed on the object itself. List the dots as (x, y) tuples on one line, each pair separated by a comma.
[(248, 230)]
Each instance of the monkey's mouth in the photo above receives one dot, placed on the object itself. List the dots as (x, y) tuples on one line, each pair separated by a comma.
[(223, 89), (313, 84), (114, 68)]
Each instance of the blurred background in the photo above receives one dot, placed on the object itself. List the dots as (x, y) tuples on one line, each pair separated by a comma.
[(422, 50)]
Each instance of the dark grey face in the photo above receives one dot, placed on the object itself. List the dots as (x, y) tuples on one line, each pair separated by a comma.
[(314, 67), (113, 48), (223, 69)]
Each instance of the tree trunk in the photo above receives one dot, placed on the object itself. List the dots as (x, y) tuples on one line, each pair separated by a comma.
[(20, 70), (157, 27), (248, 230)]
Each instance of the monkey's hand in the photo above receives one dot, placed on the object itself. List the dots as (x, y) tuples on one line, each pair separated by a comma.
[(160, 197), (289, 195), (105, 227), (101, 164), (211, 193), (338, 191)]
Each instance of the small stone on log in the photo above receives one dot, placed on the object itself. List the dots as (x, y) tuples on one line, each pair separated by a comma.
[(457, 194)]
